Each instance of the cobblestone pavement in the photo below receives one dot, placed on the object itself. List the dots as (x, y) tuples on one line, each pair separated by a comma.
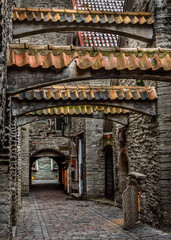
[(48, 215)]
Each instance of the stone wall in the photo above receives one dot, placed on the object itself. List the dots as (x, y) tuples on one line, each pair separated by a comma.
[(36, 137), (5, 120), (42, 137), (163, 40), (146, 149)]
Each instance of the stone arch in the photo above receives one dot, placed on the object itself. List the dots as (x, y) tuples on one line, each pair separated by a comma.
[(44, 168), (51, 153)]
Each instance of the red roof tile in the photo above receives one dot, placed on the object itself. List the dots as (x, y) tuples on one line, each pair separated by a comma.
[(78, 110), (89, 93), (107, 58), (61, 15)]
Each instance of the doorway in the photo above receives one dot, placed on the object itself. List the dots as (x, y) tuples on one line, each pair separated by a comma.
[(109, 173)]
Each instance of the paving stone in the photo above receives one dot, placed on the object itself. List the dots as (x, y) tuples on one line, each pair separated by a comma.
[(48, 215)]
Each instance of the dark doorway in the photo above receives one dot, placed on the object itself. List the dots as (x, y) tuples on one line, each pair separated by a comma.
[(109, 177)]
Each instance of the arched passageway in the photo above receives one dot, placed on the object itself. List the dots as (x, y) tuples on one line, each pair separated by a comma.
[(46, 167), (45, 170)]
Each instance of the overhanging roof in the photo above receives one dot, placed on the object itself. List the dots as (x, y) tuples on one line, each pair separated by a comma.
[(46, 56), (78, 110), (43, 65), (140, 99), (118, 115), (30, 21)]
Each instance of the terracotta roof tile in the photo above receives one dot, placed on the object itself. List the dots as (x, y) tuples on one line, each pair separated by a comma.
[(60, 57), (62, 15), (88, 11), (89, 93), (78, 110)]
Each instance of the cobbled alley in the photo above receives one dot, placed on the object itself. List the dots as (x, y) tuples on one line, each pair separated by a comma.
[(49, 214)]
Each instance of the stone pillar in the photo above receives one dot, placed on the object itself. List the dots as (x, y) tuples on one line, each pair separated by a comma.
[(163, 40), (94, 160), (25, 160)]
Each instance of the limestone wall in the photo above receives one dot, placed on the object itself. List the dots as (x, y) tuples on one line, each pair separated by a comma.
[(163, 40), (5, 120), (146, 150), (43, 137)]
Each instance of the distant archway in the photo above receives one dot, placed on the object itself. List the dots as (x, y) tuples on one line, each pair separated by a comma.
[(53, 154)]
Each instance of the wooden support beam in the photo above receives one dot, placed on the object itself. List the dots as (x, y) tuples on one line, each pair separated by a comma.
[(142, 32), (25, 106), (119, 118), (24, 79)]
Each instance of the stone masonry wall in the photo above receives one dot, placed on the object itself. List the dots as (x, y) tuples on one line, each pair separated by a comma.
[(42, 137), (34, 138), (163, 40), (44, 170), (5, 118), (137, 158)]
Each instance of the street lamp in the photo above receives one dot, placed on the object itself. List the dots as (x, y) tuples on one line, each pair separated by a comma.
[(64, 125)]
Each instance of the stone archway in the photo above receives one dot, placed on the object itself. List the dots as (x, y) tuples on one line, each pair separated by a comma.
[(45, 170), (48, 153)]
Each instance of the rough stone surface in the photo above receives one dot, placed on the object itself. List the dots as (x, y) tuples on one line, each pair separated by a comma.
[(146, 137), (94, 159), (163, 39)]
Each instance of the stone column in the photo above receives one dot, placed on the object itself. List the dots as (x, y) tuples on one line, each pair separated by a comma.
[(94, 160), (5, 174), (25, 160)]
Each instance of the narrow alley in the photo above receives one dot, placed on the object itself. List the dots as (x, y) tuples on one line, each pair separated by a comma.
[(49, 214)]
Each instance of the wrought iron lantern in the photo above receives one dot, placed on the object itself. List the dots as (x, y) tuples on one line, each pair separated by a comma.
[(64, 124)]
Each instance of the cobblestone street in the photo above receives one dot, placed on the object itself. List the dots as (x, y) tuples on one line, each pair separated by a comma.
[(47, 214)]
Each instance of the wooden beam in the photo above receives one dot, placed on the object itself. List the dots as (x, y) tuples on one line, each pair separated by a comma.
[(142, 106), (142, 32), (119, 118), (24, 79)]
